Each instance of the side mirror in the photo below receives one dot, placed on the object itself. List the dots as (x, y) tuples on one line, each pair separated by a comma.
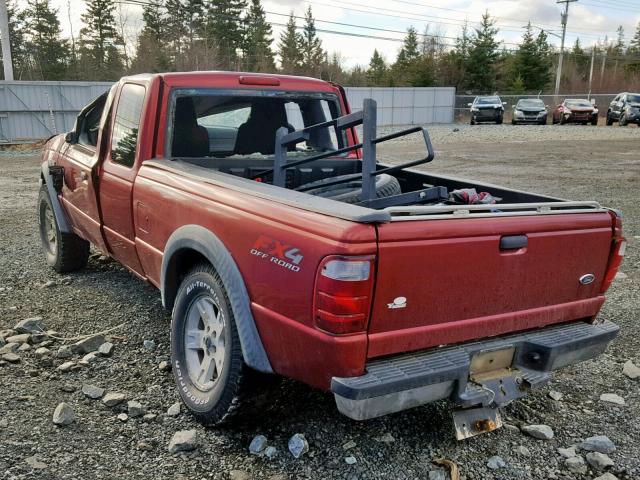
[(469, 104), (504, 103), (71, 137)]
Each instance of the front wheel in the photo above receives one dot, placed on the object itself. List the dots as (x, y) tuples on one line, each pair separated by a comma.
[(64, 252), (609, 119), (499, 121), (205, 348), (623, 120)]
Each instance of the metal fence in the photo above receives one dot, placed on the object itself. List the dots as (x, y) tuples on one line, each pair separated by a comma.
[(36, 110), (462, 103)]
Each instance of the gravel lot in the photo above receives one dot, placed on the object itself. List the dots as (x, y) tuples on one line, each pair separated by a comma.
[(576, 162)]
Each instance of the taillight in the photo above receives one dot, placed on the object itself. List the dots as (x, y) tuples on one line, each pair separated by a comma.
[(615, 259), (344, 286)]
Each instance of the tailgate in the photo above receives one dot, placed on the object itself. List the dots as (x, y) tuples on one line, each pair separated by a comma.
[(454, 280)]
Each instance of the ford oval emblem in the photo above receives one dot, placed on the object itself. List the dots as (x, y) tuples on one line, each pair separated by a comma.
[(587, 279)]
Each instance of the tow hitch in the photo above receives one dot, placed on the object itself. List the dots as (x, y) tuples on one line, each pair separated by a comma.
[(492, 378)]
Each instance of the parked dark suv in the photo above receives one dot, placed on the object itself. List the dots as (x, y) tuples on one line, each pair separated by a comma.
[(487, 109), (625, 108)]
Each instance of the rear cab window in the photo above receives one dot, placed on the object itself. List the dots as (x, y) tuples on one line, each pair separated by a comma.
[(243, 123), (126, 124)]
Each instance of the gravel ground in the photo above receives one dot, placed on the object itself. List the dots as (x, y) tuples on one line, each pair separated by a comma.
[(581, 163)]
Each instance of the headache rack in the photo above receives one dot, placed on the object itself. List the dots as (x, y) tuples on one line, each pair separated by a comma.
[(367, 117)]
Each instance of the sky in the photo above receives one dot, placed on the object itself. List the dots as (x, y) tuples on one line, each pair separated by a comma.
[(590, 20)]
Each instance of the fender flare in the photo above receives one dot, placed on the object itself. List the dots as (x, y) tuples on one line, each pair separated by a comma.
[(58, 212), (206, 243)]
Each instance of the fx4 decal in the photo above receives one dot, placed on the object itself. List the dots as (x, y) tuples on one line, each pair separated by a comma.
[(277, 252)]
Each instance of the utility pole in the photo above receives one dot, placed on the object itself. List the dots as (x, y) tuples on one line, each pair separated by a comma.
[(563, 18), (6, 43), (593, 60)]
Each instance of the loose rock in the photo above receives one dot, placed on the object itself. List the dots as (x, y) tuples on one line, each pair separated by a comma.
[(270, 452), (123, 417), (437, 475), (42, 352), (599, 461), (30, 325), (106, 349), (555, 395), (631, 370), (149, 344), (9, 348), (89, 344), (24, 347), (567, 452), (64, 352), (135, 409), (92, 392), (149, 417), (112, 399), (164, 366), (541, 432), (66, 366), (298, 445), (239, 475), (183, 441), (522, 450), (258, 444), (612, 398), (21, 338), (34, 463), (598, 443), (386, 438), (349, 445), (11, 358), (496, 462), (63, 414), (607, 476), (90, 358), (576, 465), (174, 410), (350, 460)]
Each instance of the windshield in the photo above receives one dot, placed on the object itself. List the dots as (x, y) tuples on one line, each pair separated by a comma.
[(487, 100), (530, 102), (210, 123), (633, 98), (578, 103)]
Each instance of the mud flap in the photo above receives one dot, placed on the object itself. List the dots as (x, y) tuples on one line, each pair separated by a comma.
[(470, 422)]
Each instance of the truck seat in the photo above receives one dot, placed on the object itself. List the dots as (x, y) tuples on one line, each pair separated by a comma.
[(189, 138)]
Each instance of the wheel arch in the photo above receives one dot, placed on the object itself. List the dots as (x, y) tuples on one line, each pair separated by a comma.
[(192, 244)]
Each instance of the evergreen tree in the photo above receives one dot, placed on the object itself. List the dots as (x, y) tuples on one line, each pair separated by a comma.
[(100, 57), (289, 48), (377, 70), (531, 63), (150, 58), (225, 30), (580, 59), (410, 50), (258, 39), (480, 72), (185, 34), (453, 64), (618, 47), (406, 67), (48, 53), (311, 46), (634, 44)]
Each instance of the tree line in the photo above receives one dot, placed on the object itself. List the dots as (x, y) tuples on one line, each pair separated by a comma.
[(180, 35)]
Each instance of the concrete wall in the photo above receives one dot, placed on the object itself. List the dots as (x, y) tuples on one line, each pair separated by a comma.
[(37, 110)]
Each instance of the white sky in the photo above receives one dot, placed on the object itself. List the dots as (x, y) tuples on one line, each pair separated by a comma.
[(591, 20)]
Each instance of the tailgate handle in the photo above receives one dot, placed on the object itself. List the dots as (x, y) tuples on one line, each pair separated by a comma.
[(513, 242)]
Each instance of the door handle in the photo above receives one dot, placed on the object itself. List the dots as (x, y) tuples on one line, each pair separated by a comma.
[(513, 242)]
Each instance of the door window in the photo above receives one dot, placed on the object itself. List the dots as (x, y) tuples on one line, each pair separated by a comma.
[(124, 138)]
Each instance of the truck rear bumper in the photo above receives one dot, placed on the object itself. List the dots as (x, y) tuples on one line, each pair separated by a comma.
[(397, 383)]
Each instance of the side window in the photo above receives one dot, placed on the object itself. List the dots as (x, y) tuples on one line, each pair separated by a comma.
[(124, 138)]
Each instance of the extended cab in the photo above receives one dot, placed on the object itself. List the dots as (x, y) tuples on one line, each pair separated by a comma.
[(281, 245)]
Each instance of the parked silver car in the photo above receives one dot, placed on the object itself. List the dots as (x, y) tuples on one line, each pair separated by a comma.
[(529, 110)]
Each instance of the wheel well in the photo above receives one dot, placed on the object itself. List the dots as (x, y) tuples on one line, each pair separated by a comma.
[(180, 264)]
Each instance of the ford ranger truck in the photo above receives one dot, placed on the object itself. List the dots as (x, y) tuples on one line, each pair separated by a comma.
[(281, 245)]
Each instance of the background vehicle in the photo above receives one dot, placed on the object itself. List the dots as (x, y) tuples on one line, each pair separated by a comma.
[(529, 110), (487, 109), (573, 110), (282, 246), (625, 108)]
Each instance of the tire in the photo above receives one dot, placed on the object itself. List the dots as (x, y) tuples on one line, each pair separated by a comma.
[(351, 191), (499, 121), (562, 120), (211, 346), (594, 122), (513, 122), (609, 119), (65, 252), (543, 122), (472, 122), (623, 120)]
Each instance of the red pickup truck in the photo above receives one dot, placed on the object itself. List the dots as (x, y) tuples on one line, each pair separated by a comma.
[(281, 245)]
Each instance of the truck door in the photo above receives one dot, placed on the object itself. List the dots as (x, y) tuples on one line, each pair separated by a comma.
[(78, 156), (119, 169)]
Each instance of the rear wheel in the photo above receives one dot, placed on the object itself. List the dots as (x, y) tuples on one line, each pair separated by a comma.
[(205, 348), (609, 119), (64, 252)]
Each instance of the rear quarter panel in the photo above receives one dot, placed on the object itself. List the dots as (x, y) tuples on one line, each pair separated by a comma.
[(254, 230)]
